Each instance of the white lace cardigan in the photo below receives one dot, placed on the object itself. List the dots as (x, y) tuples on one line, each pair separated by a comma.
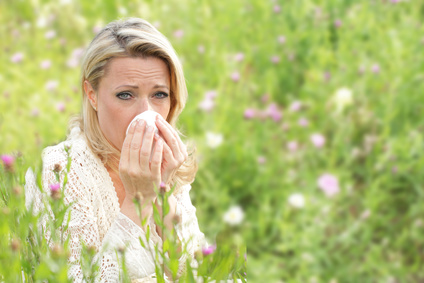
[(96, 218)]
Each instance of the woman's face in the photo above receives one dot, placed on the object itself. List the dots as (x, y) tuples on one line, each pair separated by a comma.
[(129, 87)]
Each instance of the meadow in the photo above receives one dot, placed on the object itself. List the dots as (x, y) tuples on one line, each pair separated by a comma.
[(307, 117)]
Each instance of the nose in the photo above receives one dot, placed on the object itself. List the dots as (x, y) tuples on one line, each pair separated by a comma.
[(144, 105)]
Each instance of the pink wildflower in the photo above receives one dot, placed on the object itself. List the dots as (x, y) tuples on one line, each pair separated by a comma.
[(292, 146), (327, 76), (17, 57), (337, 23), (285, 126), (50, 34), (295, 106), (157, 24), (201, 49), (208, 250), (329, 184), (277, 9), (7, 160), (97, 29), (265, 98), (55, 191), (282, 39), (375, 68), (211, 94), (179, 33), (361, 70), (303, 122), (52, 85), (76, 55), (60, 107), (206, 104), (318, 140), (54, 187), (366, 214), (239, 57), (235, 76), (261, 159), (275, 59), (249, 113), (274, 112), (394, 169), (35, 112), (45, 64)]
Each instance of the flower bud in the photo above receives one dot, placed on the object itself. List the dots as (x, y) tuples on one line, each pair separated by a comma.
[(5, 210), (55, 191), (162, 188), (15, 245), (57, 168), (56, 250), (198, 255), (17, 190), (121, 249), (139, 197), (92, 249), (176, 219)]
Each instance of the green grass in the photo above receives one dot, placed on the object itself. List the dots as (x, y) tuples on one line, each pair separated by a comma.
[(325, 240)]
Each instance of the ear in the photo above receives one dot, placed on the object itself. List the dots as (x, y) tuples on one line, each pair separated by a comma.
[(91, 94)]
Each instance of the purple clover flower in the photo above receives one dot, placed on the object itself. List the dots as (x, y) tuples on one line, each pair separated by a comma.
[(54, 187), (329, 184), (208, 250), (235, 76), (7, 160), (249, 113)]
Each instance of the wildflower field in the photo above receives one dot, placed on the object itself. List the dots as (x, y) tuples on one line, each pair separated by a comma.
[(308, 118)]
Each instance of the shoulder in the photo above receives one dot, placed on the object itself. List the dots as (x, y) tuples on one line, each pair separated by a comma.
[(182, 189), (73, 152), (57, 154)]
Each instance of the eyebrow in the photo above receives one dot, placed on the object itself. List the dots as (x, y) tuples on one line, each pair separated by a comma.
[(135, 86)]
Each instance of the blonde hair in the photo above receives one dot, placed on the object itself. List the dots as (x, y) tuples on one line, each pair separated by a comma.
[(132, 37)]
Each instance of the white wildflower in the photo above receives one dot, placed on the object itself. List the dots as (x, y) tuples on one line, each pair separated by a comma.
[(342, 98), (213, 140), (234, 215), (296, 200)]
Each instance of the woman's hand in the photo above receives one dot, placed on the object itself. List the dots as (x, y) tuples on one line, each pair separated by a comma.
[(174, 150), (139, 172)]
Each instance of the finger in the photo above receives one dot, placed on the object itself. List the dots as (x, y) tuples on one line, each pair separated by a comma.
[(136, 142), (146, 148), (181, 145), (156, 163), (170, 136), (125, 151), (168, 157)]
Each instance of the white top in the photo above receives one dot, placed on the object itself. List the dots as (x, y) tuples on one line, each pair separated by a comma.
[(96, 218)]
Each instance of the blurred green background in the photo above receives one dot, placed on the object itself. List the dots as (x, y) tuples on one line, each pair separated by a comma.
[(307, 115)]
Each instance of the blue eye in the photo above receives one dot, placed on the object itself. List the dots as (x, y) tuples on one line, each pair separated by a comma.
[(124, 95), (161, 95)]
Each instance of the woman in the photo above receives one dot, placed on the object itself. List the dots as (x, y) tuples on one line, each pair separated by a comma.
[(128, 68)]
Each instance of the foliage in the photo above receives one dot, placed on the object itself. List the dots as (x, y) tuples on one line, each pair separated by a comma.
[(312, 110)]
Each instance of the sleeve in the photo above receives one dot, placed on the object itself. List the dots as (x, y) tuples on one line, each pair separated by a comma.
[(82, 226)]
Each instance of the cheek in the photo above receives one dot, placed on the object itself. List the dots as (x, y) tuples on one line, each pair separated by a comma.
[(113, 125), (164, 110)]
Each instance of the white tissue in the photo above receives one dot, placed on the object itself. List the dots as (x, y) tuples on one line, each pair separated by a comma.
[(148, 116)]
